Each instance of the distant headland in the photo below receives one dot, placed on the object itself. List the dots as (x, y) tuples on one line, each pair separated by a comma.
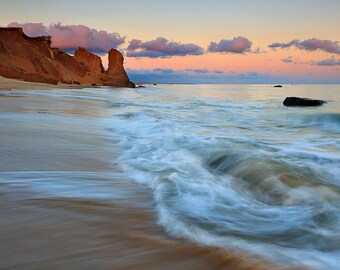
[(33, 59)]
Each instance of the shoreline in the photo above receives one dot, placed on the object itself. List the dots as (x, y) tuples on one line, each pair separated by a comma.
[(9, 84), (57, 232), (65, 150)]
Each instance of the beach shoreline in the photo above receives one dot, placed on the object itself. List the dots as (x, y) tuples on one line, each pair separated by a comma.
[(49, 148), (9, 84), (57, 233)]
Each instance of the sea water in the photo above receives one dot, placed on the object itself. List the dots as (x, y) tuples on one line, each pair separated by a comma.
[(227, 165), (230, 166)]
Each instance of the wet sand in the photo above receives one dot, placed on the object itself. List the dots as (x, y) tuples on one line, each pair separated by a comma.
[(61, 233), (7, 84), (52, 153)]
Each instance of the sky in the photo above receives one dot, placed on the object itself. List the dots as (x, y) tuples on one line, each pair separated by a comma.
[(195, 41)]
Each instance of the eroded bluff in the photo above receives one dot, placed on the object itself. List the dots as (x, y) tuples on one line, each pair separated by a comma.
[(33, 59)]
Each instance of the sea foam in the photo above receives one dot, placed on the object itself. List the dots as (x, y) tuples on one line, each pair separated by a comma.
[(236, 173)]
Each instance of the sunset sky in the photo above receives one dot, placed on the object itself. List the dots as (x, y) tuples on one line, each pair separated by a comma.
[(202, 41)]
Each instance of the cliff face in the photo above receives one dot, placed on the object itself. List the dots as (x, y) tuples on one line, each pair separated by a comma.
[(33, 59)]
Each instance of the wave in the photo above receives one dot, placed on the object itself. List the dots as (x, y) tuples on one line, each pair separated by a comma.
[(237, 193), (327, 121), (222, 105)]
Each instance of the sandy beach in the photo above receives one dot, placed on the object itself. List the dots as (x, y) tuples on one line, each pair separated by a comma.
[(50, 142), (8, 84), (57, 233)]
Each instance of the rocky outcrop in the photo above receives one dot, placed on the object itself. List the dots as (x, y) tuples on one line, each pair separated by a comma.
[(26, 58), (33, 59), (116, 74), (296, 101), (92, 65)]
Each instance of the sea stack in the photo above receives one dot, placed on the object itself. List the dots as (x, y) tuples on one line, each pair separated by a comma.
[(116, 74), (33, 59)]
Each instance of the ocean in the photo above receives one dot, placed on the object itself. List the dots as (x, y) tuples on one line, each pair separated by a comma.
[(226, 166)]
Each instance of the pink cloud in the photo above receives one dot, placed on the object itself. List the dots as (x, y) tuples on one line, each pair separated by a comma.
[(328, 62), (161, 47), (70, 37), (235, 45), (312, 44), (289, 59), (32, 29)]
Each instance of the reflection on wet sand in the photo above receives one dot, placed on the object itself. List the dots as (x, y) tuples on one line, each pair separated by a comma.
[(67, 233)]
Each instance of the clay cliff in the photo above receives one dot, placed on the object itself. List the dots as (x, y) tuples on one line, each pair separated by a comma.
[(33, 59)]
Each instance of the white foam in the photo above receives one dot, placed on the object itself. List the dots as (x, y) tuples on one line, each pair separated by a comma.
[(170, 149)]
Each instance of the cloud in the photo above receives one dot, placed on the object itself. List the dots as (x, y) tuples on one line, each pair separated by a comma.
[(187, 71), (328, 62), (218, 71), (289, 59), (161, 47), (198, 70), (235, 45), (323, 45), (312, 44), (32, 29), (70, 37), (258, 51), (283, 45), (164, 70), (159, 75)]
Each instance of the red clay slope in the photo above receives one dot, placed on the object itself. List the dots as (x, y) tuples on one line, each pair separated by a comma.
[(33, 59)]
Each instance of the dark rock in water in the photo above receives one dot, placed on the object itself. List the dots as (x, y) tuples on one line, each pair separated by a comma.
[(130, 84), (296, 101), (279, 85)]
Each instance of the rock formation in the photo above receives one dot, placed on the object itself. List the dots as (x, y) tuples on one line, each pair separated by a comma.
[(33, 59), (116, 75), (296, 101), (92, 65)]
